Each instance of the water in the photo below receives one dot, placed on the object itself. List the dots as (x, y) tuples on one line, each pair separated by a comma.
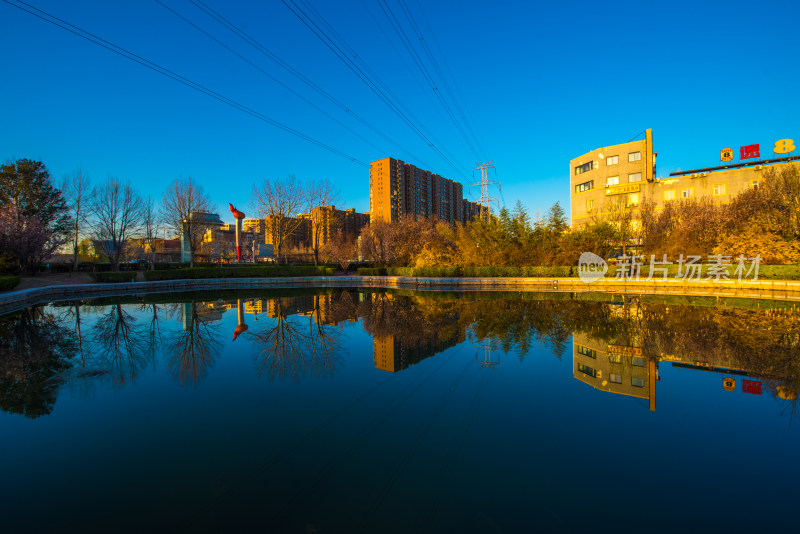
[(399, 412)]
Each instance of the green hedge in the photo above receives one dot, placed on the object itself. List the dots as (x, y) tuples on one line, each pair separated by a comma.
[(471, 272), (9, 282), (113, 277), (237, 272)]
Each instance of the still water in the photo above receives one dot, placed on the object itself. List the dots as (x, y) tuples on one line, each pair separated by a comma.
[(395, 411)]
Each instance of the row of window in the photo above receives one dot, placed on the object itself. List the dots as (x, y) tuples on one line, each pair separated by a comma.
[(636, 361), (585, 186), (586, 167), (613, 378), (632, 156), (610, 160)]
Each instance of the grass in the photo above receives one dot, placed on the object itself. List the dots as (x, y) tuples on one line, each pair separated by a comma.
[(9, 282)]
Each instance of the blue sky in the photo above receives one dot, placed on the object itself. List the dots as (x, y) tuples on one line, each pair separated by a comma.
[(540, 83)]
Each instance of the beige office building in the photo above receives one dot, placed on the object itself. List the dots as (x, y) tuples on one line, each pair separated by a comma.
[(607, 180)]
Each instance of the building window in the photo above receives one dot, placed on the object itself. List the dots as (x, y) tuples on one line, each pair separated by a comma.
[(637, 382), (687, 192), (616, 379), (719, 190), (615, 358), (585, 186), (612, 160), (635, 177), (756, 184), (638, 362), (589, 204), (633, 199), (587, 370), (586, 167), (635, 156), (586, 351), (612, 180), (669, 194)]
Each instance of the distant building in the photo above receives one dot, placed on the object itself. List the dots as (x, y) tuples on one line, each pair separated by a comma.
[(398, 189), (327, 220)]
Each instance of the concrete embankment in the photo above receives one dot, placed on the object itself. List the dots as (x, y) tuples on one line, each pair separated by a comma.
[(760, 289)]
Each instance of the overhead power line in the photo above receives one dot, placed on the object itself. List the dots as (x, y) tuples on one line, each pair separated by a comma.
[(202, 6), (268, 75), (371, 80), (407, 42), (52, 19)]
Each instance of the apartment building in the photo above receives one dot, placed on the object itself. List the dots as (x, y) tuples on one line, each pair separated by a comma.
[(398, 189)]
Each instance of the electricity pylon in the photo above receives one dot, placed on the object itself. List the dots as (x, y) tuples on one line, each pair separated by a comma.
[(486, 200)]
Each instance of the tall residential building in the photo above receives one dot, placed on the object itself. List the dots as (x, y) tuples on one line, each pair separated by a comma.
[(398, 189)]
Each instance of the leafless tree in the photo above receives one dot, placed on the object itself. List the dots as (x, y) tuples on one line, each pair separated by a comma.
[(377, 241), (152, 226), (76, 190), (279, 202), (183, 204), (319, 195), (341, 248), (117, 215)]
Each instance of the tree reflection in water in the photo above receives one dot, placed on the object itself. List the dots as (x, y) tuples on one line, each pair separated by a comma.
[(296, 347), (193, 350), (119, 345), (35, 348)]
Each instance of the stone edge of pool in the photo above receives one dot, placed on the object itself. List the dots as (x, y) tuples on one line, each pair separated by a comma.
[(761, 289)]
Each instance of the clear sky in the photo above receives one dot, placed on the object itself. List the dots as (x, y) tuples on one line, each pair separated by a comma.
[(538, 83)]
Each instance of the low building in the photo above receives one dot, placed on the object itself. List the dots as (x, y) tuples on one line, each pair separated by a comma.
[(607, 180)]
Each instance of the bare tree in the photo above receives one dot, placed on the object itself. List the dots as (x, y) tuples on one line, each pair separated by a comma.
[(152, 225), (279, 202), (321, 196), (377, 241), (341, 248), (117, 215), (76, 190), (183, 206)]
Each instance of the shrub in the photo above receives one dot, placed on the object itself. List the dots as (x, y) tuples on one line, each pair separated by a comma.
[(113, 277), (241, 271), (9, 282), (372, 271)]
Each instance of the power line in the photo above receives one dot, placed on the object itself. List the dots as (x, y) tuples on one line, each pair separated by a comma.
[(268, 75), (199, 4), (432, 60), (52, 19), (372, 83), (468, 119)]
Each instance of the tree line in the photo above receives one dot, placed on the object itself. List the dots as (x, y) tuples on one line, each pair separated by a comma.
[(762, 220), (38, 218)]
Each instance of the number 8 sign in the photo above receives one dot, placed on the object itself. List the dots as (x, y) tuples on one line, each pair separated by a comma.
[(783, 146)]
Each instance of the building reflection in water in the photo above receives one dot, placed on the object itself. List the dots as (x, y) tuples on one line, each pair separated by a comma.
[(738, 345)]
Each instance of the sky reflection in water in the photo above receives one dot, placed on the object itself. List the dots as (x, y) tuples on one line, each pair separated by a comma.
[(400, 411)]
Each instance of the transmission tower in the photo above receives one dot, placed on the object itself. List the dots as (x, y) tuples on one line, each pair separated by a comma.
[(486, 200)]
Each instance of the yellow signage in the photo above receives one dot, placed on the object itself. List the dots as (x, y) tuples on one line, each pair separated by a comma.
[(728, 384), (620, 189), (617, 349), (726, 154), (783, 146)]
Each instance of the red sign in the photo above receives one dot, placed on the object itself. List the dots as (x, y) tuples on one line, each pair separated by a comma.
[(749, 151), (751, 386)]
